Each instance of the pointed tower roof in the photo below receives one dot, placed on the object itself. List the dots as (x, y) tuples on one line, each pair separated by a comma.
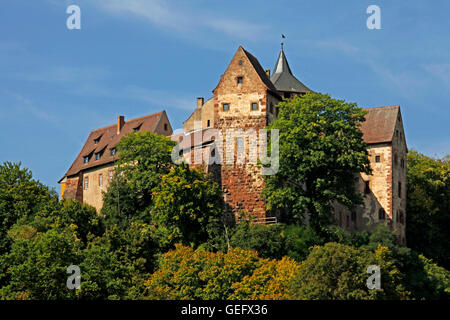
[(283, 79)]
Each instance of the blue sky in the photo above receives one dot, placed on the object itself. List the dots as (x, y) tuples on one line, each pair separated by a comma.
[(138, 57)]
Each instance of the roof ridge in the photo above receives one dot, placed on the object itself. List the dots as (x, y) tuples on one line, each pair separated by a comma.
[(383, 107), (261, 73), (138, 118)]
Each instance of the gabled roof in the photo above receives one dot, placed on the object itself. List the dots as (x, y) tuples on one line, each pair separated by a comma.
[(283, 79), (380, 123), (261, 73), (109, 140)]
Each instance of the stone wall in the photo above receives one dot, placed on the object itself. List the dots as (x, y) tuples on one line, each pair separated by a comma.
[(399, 176), (93, 194), (241, 179)]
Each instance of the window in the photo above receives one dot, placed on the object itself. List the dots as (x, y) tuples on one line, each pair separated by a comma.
[(354, 216), (86, 159), (240, 144), (381, 214), (399, 189), (209, 123), (271, 108), (402, 163), (377, 158), (98, 155), (277, 111), (225, 107), (254, 106), (395, 160), (239, 80), (165, 127), (110, 175), (86, 183), (96, 141), (100, 180), (367, 187), (137, 128), (287, 95), (240, 62), (113, 151), (402, 217)]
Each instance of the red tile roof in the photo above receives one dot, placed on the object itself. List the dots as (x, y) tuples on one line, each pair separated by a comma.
[(380, 124), (108, 140)]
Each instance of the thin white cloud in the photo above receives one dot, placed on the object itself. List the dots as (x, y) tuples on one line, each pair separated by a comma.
[(160, 98), (28, 107), (407, 82), (338, 45), (185, 22), (440, 71), (64, 74)]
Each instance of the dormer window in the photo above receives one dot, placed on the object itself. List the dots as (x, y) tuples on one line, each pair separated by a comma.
[(239, 80), (113, 151), (98, 155), (96, 141), (137, 128), (86, 159)]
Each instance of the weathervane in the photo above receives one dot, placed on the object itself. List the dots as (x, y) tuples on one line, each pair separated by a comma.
[(282, 37)]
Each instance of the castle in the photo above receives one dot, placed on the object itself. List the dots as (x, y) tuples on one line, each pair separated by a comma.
[(245, 100)]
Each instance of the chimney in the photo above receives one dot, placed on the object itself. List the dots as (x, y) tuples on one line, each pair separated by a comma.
[(200, 102), (120, 123), (268, 72)]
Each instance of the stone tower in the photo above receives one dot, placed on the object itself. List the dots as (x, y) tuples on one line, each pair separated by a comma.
[(244, 104)]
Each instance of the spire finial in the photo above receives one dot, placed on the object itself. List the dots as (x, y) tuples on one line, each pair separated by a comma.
[(282, 37)]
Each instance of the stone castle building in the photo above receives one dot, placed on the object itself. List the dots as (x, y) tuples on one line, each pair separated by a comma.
[(244, 102), (92, 171)]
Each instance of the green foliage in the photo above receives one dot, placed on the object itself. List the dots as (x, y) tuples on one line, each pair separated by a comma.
[(267, 240), (336, 271), (37, 264), (116, 265), (428, 207), (188, 207), (187, 274), (299, 240), (144, 158), (321, 149), (20, 196), (270, 281)]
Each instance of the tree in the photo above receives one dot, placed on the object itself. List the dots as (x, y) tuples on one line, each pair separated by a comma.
[(271, 281), (300, 240), (188, 206), (20, 196), (187, 274), (116, 265), (144, 158), (267, 240), (336, 271), (428, 207), (37, 264), (320, 150)]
